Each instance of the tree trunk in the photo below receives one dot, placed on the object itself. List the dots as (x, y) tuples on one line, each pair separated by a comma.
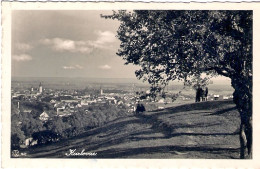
[(243, 100), (245, 139), (242, 141)]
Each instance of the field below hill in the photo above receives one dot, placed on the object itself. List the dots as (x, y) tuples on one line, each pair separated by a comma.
[(206, 130)]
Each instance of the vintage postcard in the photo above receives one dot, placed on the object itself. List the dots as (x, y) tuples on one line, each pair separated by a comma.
[(123, 84)]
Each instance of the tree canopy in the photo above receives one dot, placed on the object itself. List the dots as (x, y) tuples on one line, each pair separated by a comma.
[(171, 45)]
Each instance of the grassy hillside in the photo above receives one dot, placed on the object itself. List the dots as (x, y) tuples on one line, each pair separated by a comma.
[(198, 130)]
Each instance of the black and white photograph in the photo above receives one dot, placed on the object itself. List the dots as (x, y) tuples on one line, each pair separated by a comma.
[(131, 84)]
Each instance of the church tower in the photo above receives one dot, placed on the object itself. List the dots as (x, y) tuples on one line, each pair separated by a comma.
[(40, 88), (101, 91)]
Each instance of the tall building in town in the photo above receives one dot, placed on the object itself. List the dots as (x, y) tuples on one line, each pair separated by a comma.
[(101, 91), (40, 88)]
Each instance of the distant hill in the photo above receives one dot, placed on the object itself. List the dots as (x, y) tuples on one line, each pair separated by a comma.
[(81, 83), (78, 79), (197, 130), (219, 81)]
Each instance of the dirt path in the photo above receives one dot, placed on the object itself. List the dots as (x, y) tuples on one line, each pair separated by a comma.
[(179, 132)]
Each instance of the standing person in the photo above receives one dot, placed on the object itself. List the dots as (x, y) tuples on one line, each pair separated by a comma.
[(201, 94), (206, 93), (198, 94)]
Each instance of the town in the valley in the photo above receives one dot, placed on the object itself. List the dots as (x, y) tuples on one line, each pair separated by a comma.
[(47, 106)]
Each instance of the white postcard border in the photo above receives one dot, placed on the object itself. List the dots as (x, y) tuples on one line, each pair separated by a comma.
[(7, 7)]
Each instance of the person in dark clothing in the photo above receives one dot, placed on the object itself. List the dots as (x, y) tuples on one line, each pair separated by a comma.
[(203, 95), (140, 108), (199, 94), (206, 94)]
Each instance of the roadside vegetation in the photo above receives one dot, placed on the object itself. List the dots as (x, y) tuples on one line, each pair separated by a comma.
[(28, 125)]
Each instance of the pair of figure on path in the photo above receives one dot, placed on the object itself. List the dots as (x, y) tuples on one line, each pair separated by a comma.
[(201, 95)]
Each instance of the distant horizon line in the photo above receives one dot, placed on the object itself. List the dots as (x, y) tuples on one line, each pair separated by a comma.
[(73, 77), (84, 77), (108, 79)]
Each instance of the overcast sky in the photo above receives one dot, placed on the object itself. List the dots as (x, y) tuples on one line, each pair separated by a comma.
[(66, 44)]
